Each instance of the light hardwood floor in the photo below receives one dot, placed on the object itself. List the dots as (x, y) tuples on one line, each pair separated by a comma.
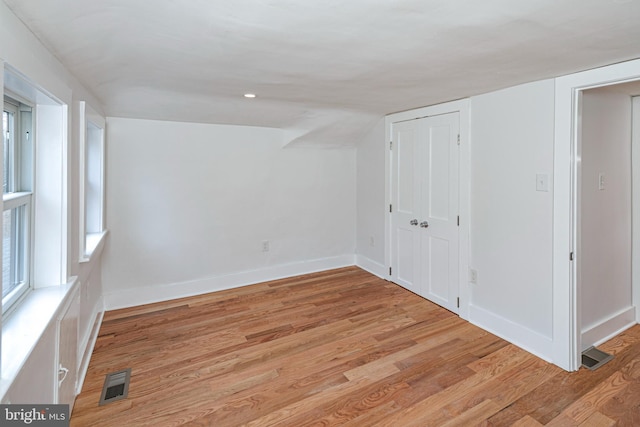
[(340, 347)]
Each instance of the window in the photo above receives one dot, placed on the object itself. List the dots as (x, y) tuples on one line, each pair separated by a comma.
[(92, 182), (17, 185), (35, 127)]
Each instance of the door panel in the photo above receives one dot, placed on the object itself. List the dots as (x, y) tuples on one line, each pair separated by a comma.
[(437, 275), (439, 173), (425, 190), (440, 203), (406, 258), (406, 151), (406, 200)]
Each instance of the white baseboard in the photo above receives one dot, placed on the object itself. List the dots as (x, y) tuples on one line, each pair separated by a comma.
[(88, 343), (151, 294), (371, 266), (531, 341), (608, 328)]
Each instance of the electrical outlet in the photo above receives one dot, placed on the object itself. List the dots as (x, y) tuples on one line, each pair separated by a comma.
[(473, 275), (265, 246)]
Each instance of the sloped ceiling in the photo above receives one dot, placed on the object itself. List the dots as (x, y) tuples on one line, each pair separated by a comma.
[(322, 70)]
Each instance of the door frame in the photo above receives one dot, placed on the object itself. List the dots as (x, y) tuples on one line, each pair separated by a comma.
[(566, 326), (461, 107), (635, 204)]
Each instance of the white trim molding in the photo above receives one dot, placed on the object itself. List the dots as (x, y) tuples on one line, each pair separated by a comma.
[(527, 339), (608, 328), (88, 343), (152, 294), (371, 266)]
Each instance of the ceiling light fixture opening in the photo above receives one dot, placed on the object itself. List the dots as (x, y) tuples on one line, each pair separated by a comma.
[(249, 95)]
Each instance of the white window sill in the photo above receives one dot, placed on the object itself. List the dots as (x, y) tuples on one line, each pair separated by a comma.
[(22, 329), (94, 245)]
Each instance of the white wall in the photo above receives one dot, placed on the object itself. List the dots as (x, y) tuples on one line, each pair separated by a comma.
[(605, 214), (511, 222), (371, 208), (189, 205)]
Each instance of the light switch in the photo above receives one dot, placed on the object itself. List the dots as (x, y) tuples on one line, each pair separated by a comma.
[(542, 182)]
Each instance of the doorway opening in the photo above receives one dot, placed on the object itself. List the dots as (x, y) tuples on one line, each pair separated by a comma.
[(606, 211)]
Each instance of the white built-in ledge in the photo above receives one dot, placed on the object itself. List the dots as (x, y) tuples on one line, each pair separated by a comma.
[(94, 245), (22, 329)]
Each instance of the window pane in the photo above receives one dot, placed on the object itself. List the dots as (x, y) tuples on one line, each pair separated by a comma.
[(93, 183), (17, 124), (7, 131), (7, 286), (14, 237)]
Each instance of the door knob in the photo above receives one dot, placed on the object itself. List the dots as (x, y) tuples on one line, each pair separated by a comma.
[(424, 224), (413, 222)]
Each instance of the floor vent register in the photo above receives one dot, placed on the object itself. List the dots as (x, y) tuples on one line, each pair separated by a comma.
[(593, 358), (116, 386)]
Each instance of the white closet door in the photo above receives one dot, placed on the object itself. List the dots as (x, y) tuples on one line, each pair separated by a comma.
[(439, 241), (425, 173), (406, 190)]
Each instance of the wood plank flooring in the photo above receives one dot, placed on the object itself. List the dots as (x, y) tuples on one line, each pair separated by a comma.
[(340, 347)]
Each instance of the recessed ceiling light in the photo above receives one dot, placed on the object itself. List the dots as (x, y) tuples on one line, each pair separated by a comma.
[(249, 95)]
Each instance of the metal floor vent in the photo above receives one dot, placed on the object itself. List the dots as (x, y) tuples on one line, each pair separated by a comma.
[(116, 386), (593, 358)]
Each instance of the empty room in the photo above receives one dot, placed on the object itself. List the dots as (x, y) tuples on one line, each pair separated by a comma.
[(287, 213)]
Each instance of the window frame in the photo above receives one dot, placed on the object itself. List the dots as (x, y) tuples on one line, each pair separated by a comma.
[(92, 202), (52, 177), (18, 198)]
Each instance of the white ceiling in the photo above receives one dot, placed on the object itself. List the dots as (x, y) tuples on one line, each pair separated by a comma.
[(323, 70)]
